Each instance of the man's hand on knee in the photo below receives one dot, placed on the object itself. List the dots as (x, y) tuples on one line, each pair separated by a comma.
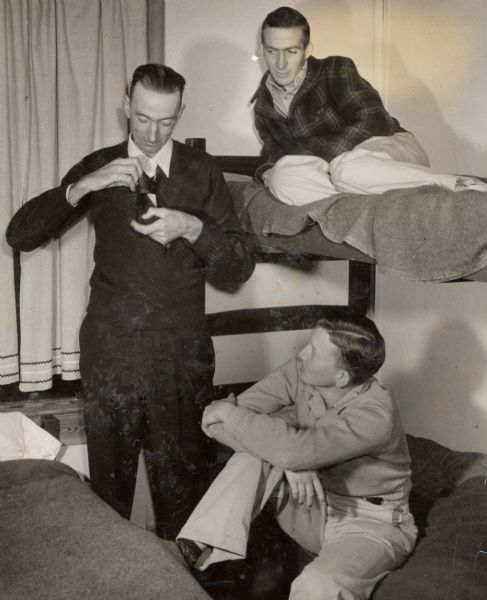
[(305, 487)]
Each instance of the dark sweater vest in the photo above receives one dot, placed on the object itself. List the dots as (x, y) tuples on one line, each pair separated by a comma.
[(137, 283)]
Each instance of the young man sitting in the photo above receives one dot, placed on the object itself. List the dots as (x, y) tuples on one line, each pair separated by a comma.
[(322, 442)]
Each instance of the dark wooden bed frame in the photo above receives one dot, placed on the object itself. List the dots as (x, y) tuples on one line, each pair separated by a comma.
[(361, 287)]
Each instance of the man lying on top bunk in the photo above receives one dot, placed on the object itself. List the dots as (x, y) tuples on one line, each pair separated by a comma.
[(325, 129)]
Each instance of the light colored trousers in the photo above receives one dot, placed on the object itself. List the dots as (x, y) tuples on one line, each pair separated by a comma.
[(380, 163), (350, 551)]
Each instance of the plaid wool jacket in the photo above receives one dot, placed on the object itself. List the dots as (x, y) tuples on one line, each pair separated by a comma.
[(334, 110)]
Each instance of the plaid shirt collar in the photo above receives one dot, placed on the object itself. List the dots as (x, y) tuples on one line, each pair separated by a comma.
[(265, 103), (283, 97), (290, 89)]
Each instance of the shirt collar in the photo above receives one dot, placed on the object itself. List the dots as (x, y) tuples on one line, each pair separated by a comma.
[(356, 391), (293, 87), (162, 158), (348, 397)]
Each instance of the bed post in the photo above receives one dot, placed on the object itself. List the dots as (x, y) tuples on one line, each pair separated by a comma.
[(361, 287)]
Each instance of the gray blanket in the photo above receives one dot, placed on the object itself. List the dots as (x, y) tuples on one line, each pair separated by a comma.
[(425, 233), (59, 541)]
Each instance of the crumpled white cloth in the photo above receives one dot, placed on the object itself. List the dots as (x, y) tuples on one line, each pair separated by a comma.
[(20, 437)]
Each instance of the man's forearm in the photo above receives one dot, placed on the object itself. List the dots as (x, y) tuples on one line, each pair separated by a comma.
[(360, 431), (40, 219), (219, 434)]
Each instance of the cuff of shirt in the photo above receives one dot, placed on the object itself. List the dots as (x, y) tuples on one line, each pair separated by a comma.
[(68, 189), (208, 241)]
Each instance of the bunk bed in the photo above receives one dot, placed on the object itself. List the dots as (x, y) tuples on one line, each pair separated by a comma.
[(438, 236), (424, 233), (298, 251)]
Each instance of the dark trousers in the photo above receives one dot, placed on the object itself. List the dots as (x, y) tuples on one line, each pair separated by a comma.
[(147, 390)]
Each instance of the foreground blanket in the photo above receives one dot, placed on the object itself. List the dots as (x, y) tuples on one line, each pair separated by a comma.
[(59, 541), (449, 503), (425, 233)]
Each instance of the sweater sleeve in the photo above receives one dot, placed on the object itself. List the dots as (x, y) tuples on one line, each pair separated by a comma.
[(226, 249), (47, 215), (358, 430)]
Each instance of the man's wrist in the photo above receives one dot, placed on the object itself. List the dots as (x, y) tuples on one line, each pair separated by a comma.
[(75, 192), (195, 228)]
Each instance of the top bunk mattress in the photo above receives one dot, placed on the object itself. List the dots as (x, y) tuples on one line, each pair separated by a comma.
[(424, 233)]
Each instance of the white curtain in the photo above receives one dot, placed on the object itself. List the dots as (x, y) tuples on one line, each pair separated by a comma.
[(64, 67)]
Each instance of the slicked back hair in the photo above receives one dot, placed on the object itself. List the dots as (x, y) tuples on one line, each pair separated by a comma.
[(159, 78), (286, 17), (361, 347)]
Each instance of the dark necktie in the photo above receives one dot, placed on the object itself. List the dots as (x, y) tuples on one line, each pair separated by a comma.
[(148, 185)]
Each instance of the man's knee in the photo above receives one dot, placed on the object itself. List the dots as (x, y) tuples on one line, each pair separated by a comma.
[(319, 582), (351, 170), (299, 179), (276, 178), (321, 585)]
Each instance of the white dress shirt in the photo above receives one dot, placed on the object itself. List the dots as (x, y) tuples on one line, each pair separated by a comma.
[(150, 163)]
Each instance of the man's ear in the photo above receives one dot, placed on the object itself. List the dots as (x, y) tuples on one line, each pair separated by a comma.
[(342, 378), (308, 50), (126, 106)]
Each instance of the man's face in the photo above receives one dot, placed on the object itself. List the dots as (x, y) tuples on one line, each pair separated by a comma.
[(284, 53), (153, 116), (318, 360)]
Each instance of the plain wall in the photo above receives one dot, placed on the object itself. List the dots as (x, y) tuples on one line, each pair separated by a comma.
[(427, 58), (436, 83)]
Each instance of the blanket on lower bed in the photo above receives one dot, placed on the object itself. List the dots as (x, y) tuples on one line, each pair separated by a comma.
[(425, 233), (448, 501), (59, 541)]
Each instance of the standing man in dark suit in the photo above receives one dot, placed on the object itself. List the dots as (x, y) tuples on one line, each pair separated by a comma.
[(164, 224), (325, 129)]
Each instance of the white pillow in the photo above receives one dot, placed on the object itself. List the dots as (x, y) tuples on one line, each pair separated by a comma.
[(20, 437)]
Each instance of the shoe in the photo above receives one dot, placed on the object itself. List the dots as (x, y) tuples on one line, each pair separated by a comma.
[(190, 550), (231, 574)]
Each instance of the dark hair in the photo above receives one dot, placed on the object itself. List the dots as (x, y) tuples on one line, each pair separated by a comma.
[(286, 17), (157, 77), (361, 347)]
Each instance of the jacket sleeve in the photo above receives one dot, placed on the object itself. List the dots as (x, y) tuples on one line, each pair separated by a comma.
[(47, 215), (273, 395), (274, 392), (360, 429), (271, 150), (223, 245), (361, 108), (276, 146)]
